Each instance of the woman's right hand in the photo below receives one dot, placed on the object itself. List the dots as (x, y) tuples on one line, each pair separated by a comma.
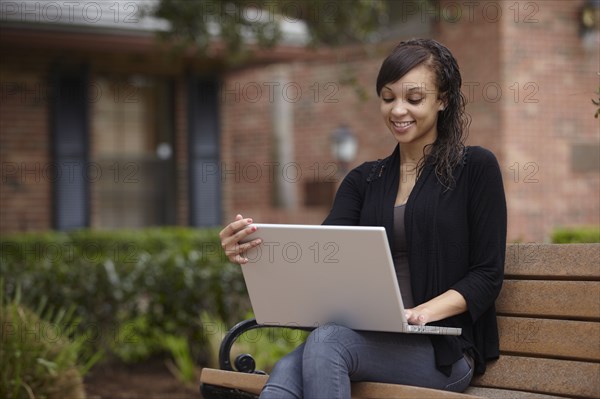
[(231, 236)]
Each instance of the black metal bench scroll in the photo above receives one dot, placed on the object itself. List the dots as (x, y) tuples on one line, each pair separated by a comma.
[(243, 363)]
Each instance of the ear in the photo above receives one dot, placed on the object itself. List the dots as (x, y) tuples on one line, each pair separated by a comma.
[(443, 103)]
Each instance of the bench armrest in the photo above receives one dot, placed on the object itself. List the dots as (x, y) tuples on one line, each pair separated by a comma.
[(243, 363)]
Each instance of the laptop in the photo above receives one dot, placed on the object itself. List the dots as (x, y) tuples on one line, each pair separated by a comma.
[(313, 275)]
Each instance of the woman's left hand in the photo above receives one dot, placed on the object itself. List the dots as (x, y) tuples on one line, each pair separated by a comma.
[(448, 304), (417, 316)]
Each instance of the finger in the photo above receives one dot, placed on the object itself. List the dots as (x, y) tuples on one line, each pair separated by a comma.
[(232, 246), (234, 227), (236, 248), (239, 259), (412, 317), (243, 233), (232, 242), (237, 255), (251, 244)]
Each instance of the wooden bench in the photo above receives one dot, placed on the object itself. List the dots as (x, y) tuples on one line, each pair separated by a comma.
[(549, 321)]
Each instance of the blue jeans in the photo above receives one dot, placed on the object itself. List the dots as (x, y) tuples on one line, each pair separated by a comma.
[(333, 356)]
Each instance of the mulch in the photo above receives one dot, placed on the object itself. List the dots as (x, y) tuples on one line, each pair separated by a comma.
[(150, 380)]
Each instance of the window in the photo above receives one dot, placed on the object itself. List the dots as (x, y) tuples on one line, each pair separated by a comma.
[(133, 179)]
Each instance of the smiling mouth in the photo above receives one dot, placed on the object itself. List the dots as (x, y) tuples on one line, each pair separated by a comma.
[(402, 124)]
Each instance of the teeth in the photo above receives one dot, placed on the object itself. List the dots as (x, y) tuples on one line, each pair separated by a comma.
[(402, 124)]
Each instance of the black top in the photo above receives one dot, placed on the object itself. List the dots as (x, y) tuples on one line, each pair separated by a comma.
[(400, 257), (456, 239)]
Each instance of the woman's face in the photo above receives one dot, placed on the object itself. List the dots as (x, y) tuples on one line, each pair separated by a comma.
[(410, 107)]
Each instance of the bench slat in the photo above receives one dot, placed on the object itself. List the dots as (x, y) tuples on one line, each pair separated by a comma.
[(576, 340), (372, 390), (561, 299), (549, 376), (494, 393), (551, 261), (253, 383)]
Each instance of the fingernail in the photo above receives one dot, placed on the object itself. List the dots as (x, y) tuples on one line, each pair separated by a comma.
[(249, 220)]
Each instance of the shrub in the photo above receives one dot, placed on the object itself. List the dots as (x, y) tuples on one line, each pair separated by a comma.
[(129, 287), (40, 355), (586, 234)]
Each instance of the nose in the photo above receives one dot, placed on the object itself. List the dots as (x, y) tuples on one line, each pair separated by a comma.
[(399, 109)]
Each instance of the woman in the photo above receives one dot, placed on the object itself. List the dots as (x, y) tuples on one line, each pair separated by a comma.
[(444, 211)]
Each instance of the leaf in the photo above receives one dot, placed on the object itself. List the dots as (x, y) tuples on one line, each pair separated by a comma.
[(50, 366), (241, 23)]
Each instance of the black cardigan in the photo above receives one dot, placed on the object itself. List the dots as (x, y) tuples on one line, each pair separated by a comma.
[(456, 240)]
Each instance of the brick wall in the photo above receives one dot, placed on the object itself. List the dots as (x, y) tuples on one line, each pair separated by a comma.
[(180, 153), (543, 53), (321, 102), (474, 38), (25, 185)]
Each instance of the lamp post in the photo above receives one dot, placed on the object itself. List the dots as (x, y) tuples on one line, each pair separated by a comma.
[(343, 147)]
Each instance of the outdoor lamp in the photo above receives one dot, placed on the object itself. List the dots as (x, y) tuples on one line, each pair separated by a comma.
[(343, 146), (589, 24)]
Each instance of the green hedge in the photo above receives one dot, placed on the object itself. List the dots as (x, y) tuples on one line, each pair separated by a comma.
[(130, 288), (586, 234)]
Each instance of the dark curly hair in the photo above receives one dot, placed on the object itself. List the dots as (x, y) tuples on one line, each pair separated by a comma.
[(453, 122)]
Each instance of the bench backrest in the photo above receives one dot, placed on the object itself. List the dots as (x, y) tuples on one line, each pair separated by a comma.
[(549, 318)]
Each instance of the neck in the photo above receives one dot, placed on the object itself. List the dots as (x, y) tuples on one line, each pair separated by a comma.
[(410, 154)]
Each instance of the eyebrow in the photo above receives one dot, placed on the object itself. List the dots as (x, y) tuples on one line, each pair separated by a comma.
[(410, 89)]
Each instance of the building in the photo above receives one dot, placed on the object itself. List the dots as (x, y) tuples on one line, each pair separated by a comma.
[(100, 127), (102, 124)]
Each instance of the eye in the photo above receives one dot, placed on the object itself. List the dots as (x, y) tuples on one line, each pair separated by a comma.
[(415, 100), (387, 99)]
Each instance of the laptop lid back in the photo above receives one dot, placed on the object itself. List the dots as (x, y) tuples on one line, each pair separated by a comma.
[(310, 275)]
